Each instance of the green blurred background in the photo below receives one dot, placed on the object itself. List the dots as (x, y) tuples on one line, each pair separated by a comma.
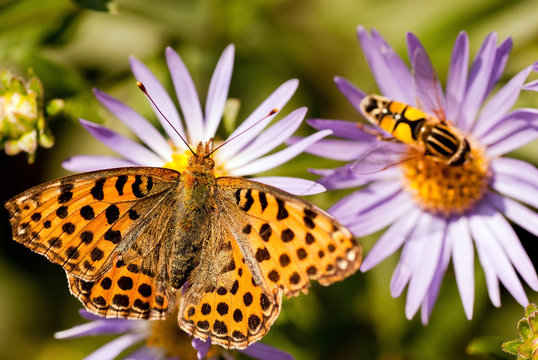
[(73, 48)]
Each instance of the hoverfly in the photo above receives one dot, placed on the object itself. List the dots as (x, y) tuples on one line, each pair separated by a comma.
[(426, 134)]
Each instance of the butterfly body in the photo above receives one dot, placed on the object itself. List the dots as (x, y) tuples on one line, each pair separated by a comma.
[(137, 242)]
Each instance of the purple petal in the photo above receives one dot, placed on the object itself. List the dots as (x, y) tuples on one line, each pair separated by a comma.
[(526, 192), (341, 128), (366, 198), (491, 276), (391, 240), (98, 327), (501, 57), (435, 286), (342, 150), (531, 85), (88, 315), (487, 243), (162, 100), (379, 216), (344, 177), (457, 77), (424, 270), (110, 350), (202, 347), (478, 82), (218, 91), (428, 91), (147, 353), (410, 256), (258, 119), (280, 157), (269, 139), (505, 125), (521, 135), (521, 215), (391, 82), (501, 102), (517, 168), (350, 91), (86, 163), (295, 186), (463, 257), (138, 124), (510, 244), (123, 146), (187, 96), (263, 351)]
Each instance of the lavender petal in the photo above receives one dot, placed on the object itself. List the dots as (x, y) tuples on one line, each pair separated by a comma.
[(487, 243), (510, 244), (162, 101), (520, 136), (280, 157), (123, 146), (202, 347), (521, 215), (379, 216), (457, 77), (146, 353), (269, 139), (143, 129), (98, 327), (478, 82), (424, 270), (187, 96), (263, 351), (342, 150), (501, 102), (295, 186), (110, 350), (86, 163), (501, 57), (390, 84), (391, 240), (344, 177), (353, 94), (342, 128), (505, 125), (526, 192), (463, 257), (218, 91), (517, 168), (435, 286), (258, 119), (428, 91)]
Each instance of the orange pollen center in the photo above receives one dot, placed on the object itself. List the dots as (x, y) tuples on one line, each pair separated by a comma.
[(447, 190)]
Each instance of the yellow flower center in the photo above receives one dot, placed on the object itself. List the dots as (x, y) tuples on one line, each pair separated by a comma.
[(180, 161), (447, 190)]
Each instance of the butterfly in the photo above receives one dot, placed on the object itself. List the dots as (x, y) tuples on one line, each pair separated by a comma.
[(137, 242)]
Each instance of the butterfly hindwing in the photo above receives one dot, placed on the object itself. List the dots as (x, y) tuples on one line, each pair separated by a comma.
[(291, 240), (126, 291), (231, 308), (79, 221)]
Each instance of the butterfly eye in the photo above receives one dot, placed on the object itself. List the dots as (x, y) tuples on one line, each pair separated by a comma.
[(209, 162)]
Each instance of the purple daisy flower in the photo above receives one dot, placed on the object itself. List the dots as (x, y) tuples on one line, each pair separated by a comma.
[(433, 210), (245, 155), (163, 340)]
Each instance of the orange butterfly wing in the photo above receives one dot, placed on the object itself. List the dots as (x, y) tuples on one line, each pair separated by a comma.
[(84, 222)]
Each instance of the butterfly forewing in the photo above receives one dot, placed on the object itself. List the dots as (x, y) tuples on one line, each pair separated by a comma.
[(289, 239)]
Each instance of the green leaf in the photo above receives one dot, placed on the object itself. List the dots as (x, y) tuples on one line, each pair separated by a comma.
[(531, 308), (512, 347), (524, 329)]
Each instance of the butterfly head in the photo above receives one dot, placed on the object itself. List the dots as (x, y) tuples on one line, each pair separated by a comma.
[(201, 161)]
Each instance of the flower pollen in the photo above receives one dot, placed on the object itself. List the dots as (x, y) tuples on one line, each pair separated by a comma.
[(165, 334), (447, 190)]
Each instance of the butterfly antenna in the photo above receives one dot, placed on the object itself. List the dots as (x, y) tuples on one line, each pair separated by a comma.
[(143, 88), (272, 112)]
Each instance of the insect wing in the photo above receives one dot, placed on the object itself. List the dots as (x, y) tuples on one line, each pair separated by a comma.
[(380, 157)]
